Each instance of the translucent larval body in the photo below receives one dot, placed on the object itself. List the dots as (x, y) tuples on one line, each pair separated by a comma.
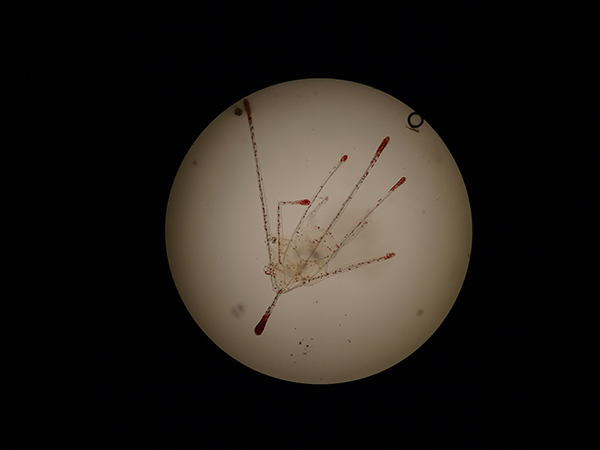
[(303, 259)]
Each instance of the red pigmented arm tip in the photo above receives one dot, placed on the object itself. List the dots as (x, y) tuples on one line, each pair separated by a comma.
[(304, 202), (399, 183), (344, 158), (383, 144), (261, 325)]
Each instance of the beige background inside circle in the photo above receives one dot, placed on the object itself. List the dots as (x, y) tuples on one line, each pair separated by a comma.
[(355, 324)]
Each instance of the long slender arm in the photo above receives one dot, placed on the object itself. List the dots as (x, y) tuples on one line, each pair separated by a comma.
[(363, 221), (356, 187), (261, 191)]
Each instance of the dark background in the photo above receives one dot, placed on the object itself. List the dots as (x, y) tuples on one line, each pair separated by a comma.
[(104, 101)]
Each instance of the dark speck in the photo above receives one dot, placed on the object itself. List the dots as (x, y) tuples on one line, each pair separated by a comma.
[(237, 310), (237, 111)]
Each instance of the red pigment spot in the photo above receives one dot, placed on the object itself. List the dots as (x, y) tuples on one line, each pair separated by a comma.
[(261, 325), (389, 255), (401, 181), (344, 158), (247, 106), (304, 202), (382, 146)]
